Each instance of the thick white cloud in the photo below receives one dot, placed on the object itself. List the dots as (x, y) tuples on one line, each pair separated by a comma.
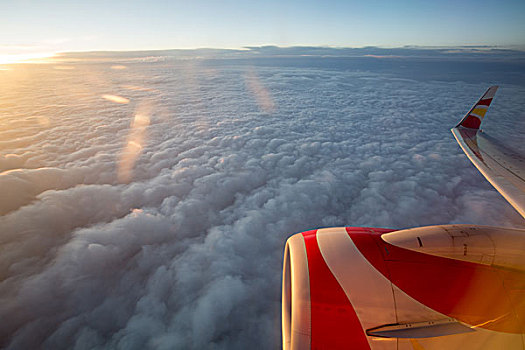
[(186, 250)]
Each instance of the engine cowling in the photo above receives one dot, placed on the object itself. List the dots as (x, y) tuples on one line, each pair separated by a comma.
[(348, 287), (317, 312)]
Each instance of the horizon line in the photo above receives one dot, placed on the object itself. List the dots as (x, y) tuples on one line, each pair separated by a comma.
[(517, 47)]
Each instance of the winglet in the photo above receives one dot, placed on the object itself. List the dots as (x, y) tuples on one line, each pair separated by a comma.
[(473, 118)]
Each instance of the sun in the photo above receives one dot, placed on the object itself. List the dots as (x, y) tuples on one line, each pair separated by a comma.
[(26, 58)]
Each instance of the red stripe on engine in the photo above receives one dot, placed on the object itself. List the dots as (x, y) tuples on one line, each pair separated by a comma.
[(364, 241), (335, 324), (476, 294)]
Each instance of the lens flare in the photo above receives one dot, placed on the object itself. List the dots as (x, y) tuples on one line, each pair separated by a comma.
[(134, 143), (260, 92), (116, 99)]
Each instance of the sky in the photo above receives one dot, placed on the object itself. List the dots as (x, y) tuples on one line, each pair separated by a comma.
[(32, 27)]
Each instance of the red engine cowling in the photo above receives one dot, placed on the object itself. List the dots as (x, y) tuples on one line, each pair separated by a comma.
[(349, 288)]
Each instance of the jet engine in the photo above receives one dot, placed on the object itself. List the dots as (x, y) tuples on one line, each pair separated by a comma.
[(449, 286)]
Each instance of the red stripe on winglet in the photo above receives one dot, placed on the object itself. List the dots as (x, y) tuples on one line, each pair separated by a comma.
[(485, 102), (335, 324), (471, 122)]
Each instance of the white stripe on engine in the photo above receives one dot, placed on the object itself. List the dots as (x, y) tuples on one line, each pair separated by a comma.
[(369, 292)]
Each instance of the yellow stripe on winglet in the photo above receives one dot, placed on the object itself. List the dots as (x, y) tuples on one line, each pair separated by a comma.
[(479, 111)]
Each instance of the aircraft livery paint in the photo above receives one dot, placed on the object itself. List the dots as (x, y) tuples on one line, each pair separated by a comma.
[(476, 294), (476, 114), (334, 322)]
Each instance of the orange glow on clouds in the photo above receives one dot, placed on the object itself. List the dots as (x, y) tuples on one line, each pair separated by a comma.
[(64, 67)]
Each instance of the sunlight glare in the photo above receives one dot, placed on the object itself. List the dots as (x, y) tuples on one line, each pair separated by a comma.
[(26, 58)]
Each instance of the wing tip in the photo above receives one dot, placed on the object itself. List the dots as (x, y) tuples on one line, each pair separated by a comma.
[(474, 117)]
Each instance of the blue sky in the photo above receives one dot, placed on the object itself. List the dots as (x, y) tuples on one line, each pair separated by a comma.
[(55, 25)]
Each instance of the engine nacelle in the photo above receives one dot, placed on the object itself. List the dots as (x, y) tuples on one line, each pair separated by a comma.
[(369, 288), (316, 310)]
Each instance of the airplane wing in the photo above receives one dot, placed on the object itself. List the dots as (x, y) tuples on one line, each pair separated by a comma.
[(502, 167), (435, 287)]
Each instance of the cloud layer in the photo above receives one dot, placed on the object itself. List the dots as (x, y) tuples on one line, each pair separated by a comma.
[(160, 222)]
